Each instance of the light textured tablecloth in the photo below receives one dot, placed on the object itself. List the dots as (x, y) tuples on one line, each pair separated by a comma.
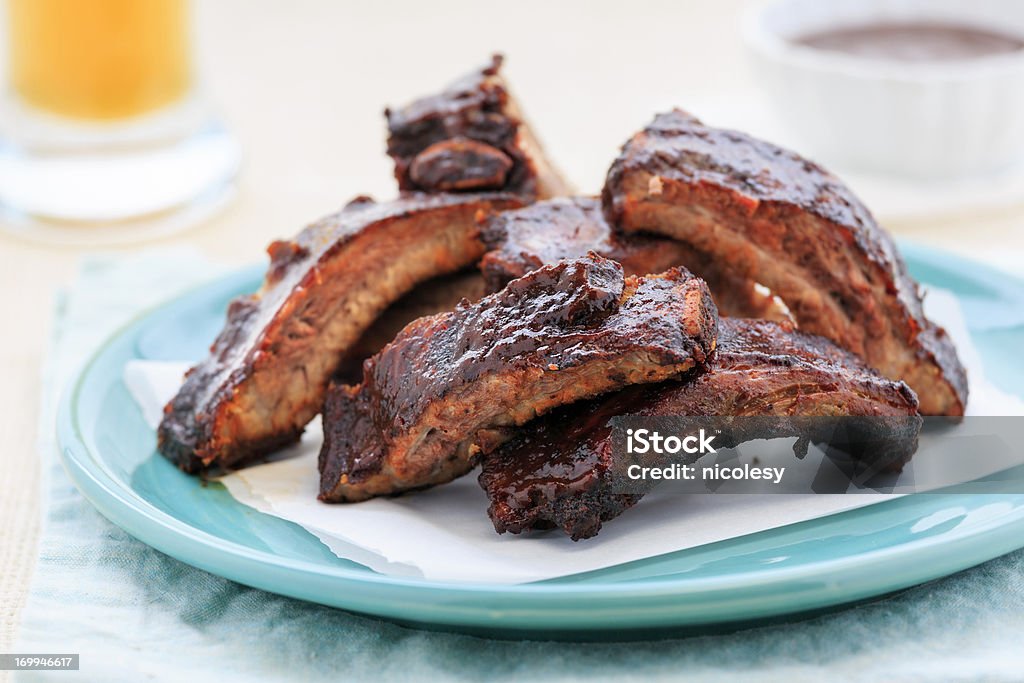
[(135, 614)]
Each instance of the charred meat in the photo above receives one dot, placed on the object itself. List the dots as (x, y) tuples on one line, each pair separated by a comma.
[(452, 386), (471, 137), (766, 214), (558, 471), (268, 370)]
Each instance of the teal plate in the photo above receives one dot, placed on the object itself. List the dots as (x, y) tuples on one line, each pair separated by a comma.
[(109, 452)]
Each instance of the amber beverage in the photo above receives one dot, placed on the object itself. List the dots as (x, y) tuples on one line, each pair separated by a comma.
[(99, 59)]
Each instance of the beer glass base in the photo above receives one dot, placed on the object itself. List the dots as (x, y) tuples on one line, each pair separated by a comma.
[(107, 194)]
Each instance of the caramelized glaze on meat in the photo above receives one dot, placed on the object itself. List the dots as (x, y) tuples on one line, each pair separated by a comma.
[(268, 369), (472, 136), (558, 471), (450, 386), (767, 214)]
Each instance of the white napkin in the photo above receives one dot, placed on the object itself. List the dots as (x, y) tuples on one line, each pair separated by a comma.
[(444, 533)]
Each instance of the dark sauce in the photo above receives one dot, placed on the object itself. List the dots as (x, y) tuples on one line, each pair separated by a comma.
[(914, 42)]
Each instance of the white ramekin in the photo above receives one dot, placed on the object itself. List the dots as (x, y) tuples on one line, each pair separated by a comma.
[(925, 120)]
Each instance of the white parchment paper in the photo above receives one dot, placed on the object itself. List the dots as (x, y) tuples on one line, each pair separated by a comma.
[(444, 533)]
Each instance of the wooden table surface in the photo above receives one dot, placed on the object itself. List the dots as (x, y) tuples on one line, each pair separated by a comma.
[(303, 84)]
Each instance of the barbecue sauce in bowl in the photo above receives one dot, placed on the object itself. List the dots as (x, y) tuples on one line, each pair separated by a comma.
[(914, 42)]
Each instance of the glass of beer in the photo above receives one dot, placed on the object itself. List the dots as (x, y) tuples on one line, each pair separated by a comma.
[(103, 133)]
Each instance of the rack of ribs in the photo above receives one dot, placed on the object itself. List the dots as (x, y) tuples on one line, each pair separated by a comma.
[(453, 386), (568, 227), (768, 215), (268, 370), (470, 137), (559, 470)]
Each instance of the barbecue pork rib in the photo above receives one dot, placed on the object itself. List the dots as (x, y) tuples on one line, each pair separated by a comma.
[(451, 386), (767, 214), (471, 137), (268, 369), (568, 227), (559, 470)]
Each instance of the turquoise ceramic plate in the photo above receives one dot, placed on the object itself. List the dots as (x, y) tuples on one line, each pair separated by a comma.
[(109, 452)]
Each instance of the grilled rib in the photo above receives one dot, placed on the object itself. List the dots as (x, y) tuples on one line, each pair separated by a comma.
[(449, 387), (766, 214), (472, 136), (268, 369), (559, 470)]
